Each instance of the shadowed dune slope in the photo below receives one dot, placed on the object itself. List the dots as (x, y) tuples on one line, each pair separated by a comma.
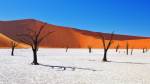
[(64, 36)]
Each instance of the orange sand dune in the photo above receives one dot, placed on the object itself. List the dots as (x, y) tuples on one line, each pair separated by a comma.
[(5, 42), (68, 37), (140, 43)]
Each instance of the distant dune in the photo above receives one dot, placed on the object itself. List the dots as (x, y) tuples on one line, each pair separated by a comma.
[(65, 36), (5, 42)]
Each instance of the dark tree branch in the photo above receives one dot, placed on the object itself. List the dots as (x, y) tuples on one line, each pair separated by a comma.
[(25, 41), (40, 30), (27, 36), (43, 37), (103, 41), (110, 41)]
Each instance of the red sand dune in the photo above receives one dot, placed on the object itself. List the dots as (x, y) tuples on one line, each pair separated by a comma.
[(65, 36)]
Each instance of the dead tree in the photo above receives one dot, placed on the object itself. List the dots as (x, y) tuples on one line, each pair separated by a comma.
[(146, 49), (13, 46), (67, 49), (127, 48), (34, 38), (117, 47), (106, 46), (132, 50), (90, 49), (143, 50)]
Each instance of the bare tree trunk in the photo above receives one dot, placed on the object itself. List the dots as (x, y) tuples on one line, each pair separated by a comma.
[(67, 49), (105, 56), (143, 50), (117, 47), (90, 49), (35, 58), (127, 51), (12, 51), (132, 51), (146, 50), (127, 48)]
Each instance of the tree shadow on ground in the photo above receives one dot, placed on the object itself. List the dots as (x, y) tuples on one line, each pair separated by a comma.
[(128, 62), (63, 68)]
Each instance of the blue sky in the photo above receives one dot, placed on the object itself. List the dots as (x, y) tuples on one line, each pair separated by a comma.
[(122, 16)]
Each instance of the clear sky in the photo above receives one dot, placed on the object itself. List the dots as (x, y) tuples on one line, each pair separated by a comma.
[(122, 16)]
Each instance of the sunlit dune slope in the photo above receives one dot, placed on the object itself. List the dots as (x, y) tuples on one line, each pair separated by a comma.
[(6, 42)]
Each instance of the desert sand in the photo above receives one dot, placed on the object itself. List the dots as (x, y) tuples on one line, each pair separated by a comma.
[(89, 69)]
